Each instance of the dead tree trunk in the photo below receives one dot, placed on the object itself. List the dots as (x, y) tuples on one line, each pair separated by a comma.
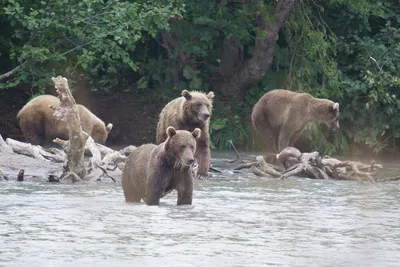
[(68, 112)]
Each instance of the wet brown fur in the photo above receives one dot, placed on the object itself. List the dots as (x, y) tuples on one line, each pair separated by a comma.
[(182, 114), (38, 124), (152, 171), (280, 116)]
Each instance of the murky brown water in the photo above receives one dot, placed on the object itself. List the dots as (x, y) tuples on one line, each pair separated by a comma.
[(234, 221)]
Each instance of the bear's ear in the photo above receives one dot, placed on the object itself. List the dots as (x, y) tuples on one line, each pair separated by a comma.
[(210, 95), (196, 133), (109, 127), (171, 131), (334, 108), (186, 94)]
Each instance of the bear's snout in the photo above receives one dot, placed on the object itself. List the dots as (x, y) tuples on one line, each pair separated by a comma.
[(206, 116), (190, 161)]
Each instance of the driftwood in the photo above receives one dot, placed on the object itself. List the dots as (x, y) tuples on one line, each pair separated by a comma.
[(4, 148), (292, 163), (69, 113), (3, 175), (20, 176), (99, 164), (35, 151)]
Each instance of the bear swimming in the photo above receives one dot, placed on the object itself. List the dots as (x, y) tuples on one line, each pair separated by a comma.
[(38, 124), (152, 172), (280, 116), (191, 110)]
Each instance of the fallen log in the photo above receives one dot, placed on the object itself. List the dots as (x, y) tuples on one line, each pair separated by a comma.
[(115, 158), (35, 151), (292, 163), (4, 148)]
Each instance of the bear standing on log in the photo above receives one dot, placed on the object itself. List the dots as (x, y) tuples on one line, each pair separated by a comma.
[(280, 116), (188, 112), (38, 124), (152, 172)]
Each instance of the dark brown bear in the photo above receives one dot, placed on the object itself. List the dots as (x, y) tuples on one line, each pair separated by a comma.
[(188, 112), (280, 116), (152, 172), (38, 124)]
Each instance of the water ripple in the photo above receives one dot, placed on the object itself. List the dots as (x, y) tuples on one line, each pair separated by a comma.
[(242, 221)]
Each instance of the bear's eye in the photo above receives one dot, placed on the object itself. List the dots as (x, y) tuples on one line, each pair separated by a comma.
[(198, 104), (182, 147), (192, 147)]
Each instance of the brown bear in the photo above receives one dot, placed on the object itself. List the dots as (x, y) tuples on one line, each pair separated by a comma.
[(152, 172), (38, 124), (188, 112), (280, 116)]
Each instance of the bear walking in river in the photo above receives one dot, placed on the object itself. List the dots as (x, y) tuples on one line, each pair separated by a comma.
[(38, 124), (188, 112), (280, 116), (152, 172)]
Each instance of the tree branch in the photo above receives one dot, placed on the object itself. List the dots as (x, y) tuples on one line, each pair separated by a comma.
[(11, 72)]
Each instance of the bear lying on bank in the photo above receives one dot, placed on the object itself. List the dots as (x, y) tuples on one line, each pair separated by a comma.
[(188, 112), (280, 116), (38, 124), (152, 172)]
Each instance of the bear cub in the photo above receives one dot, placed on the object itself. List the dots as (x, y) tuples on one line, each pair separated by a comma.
[(152, 171)]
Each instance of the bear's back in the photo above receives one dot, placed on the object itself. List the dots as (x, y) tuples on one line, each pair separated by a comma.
[(39, 105), (278, 104), (135, 172), (171, 115), (38, 112)]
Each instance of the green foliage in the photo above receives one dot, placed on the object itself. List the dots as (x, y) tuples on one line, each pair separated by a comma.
[(347, 51), (80, 39), (230, 123)]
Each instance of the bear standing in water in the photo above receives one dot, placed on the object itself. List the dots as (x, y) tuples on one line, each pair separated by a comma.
[(280, 116), (188, 112), (37, 122), (152, 172)]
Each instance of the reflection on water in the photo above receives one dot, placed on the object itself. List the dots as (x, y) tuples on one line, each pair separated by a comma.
[(234, 221)]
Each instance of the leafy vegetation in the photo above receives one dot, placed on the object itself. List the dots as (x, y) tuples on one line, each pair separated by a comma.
[(347, 51)]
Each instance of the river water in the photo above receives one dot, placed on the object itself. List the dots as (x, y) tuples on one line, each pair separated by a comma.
[(238, 220)]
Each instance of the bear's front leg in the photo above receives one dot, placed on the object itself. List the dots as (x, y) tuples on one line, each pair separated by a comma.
[(155, 186), (185, 189), (203, 157), (152, 198)]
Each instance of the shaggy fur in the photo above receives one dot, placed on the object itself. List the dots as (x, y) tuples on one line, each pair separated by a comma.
[(188, 112), (38, 124), (152, 172), (280, 116)]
